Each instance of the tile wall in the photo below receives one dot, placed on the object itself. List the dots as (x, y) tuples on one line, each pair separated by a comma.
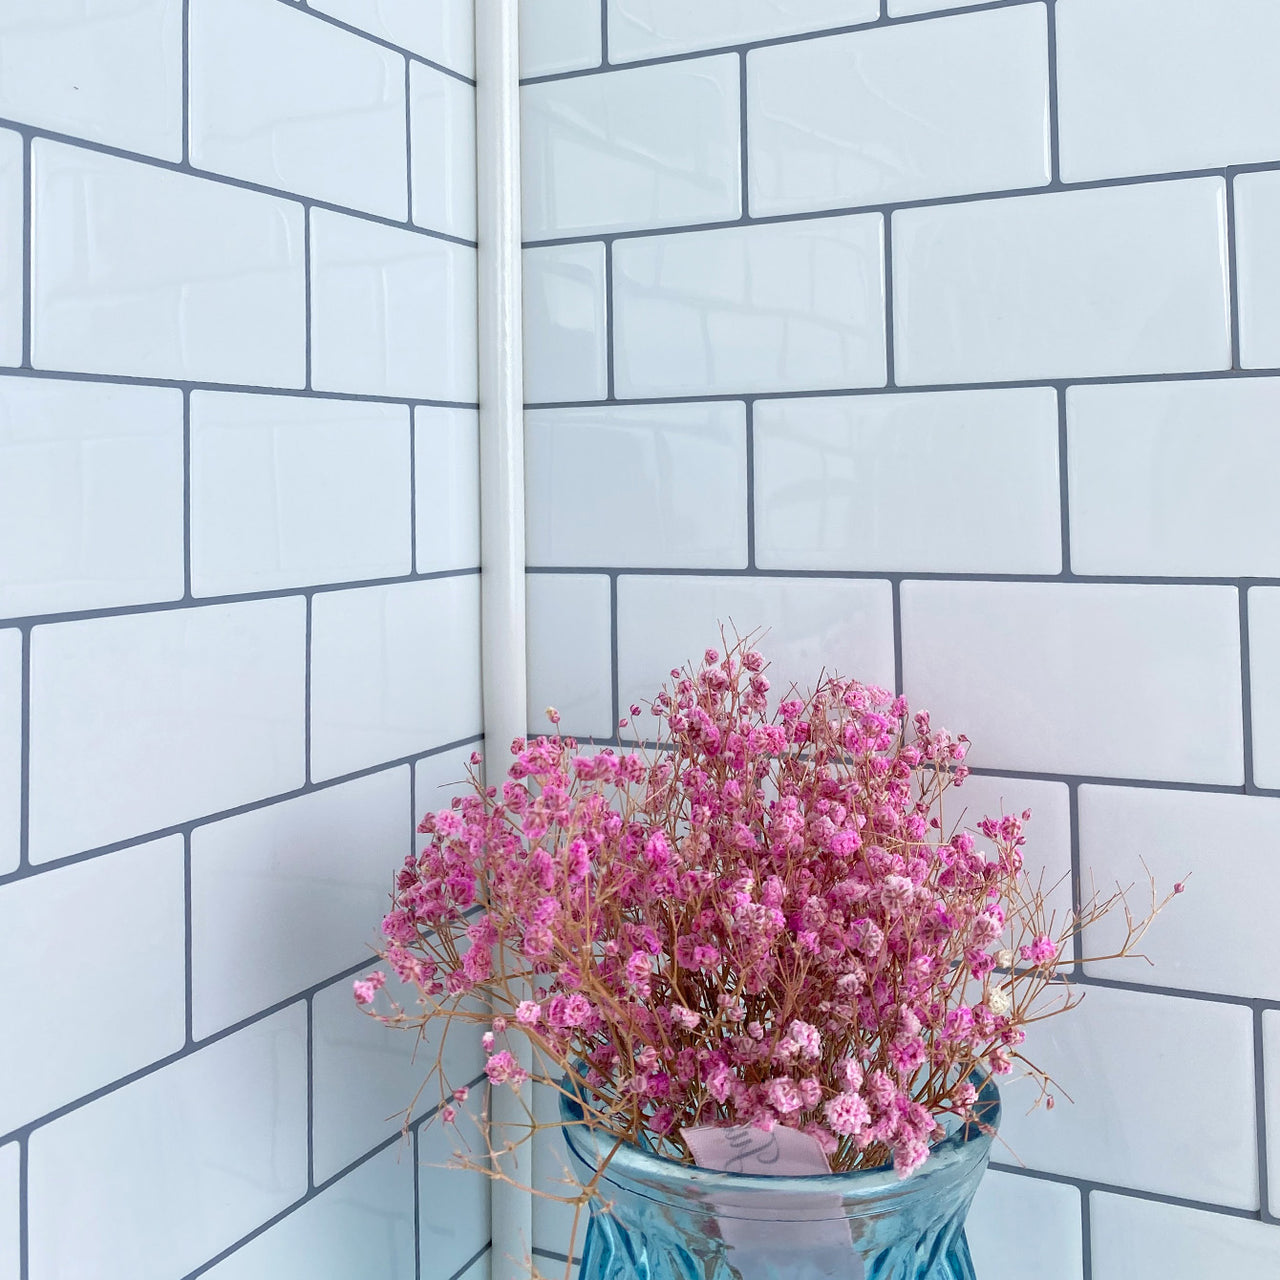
[(239, 624), (943, 339)]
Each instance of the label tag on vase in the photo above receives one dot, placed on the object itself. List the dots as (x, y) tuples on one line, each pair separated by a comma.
[(806, 1237)]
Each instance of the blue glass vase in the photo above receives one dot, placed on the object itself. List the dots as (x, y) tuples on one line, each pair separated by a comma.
[(657, 1219)]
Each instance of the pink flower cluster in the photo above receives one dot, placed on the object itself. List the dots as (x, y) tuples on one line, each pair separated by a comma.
[(764, 921)]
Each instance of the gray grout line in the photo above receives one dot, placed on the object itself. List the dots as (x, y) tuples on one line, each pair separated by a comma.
[(308, 215), (1055, 146), (1260, 1118), (306, 696), (1246, 691), (894, 206), (244, 597), (189, 170), (795, 37), (384, 43), (28, 203), (609, 383), (186, 496), (613, 652), (27, 870), (749, 416), (744, 160), (24, 1216), (413, 490), (1064, 481), (408, 138), (604, 36), (471, 1261), (1233, 272), (1077, 875), (890, 374), (245, 388), (417, 1207), (186, 82), (311, 1094), (895, 587), (188, 946), (24, 758), (1086, 1234)]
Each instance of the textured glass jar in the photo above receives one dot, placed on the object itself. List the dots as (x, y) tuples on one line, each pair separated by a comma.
[(669, 1221)]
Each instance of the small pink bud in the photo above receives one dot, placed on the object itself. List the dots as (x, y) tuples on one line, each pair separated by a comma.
[(1179, 887)]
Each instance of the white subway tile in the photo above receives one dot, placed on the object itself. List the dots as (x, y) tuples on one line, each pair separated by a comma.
[(392, 312), (1116, 680), (1162, 86), (130, 904), (284, 896), (360, 1226), (1133, 1237), (553, 1175), (569, 647), (143, 271), (437, 779), (778, 307), (649, 28), (287, 491), (280, 99), (1271, 1074), (395, 671), (1076, 283), (443, 31), (647, 147), (1124, 1063), (91, 478), (367, 1075), (899, 8), (679, 471), (922, 109), (559, 35), (829, 475), (10, 748), (1130, 835), (1264, 683), (565, 319), (11, 247), (10, 1261), (1153, 492), (166, 1172), (1020, 1227), (480, 1268), (1257, 198), (454, 1218), (807, 625), (110, 72), (443, 112), (447, 479), (142, 721)]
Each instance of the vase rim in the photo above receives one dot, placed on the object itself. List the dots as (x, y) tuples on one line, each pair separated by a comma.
[(646, 1172)]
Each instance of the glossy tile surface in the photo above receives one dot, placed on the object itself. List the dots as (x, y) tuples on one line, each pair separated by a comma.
[(143, 721), (447, 480), (139, 270), (1258, 268), (129, 1007), (828, 492), (1264, 687), (268, 83), (898, 8), (568, 645), (650, 28), (454, 1205), (287, 491), (11, 248), (1138, 1237), (680, 471), (1020, 1227), (779, 307), (10, 1260), (559, 35), (90, 495), (1162, 86), (1069, 678), (1126, 1059), (1173, 478), (284, 896), (565, 318), (170, 1170), (392, 312), (843, 626), (443, 31), (110, 72), (362, 1225), (443, 114), (1271, 1074), (1215, 843), (1121, 280), (379, 655), (649, 147), (922, 109), (10, 747)]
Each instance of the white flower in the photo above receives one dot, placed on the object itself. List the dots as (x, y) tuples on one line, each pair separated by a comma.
[(1004, 958), (998, 1000)]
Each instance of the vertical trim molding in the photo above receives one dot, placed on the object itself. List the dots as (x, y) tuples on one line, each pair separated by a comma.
[(502, 557)]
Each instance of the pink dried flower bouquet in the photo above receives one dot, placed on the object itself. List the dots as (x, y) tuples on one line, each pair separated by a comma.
[(762, 921)]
